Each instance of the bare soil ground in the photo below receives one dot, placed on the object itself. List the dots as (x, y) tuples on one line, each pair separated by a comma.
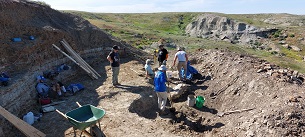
[(230, 82)]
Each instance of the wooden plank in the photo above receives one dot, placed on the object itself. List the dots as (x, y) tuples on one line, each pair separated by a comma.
[(24, 127), (88, 72), (78, 59), (68, 46)]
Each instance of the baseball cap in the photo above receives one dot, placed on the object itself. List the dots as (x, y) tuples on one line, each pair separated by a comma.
[(115, 47)]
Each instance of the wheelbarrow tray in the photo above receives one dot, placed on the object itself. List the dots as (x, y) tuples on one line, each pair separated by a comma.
[(85, 116)]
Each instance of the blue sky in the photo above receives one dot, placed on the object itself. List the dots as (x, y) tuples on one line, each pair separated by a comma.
[(151, 6)]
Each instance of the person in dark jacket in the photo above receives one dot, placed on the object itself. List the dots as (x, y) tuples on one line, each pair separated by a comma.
[(160, 87), (162, 55), (114, 60)]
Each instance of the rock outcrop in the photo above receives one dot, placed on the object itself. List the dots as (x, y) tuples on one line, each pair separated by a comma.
[(223, 28)]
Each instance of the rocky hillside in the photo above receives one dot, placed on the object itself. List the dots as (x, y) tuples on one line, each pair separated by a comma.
[(21, 19), (222, 28)]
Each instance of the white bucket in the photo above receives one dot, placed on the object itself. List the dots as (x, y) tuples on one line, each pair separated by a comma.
[(191, 100), (29, 118), (169, 74)]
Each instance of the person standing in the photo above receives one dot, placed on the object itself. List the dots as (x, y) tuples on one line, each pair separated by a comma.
[(182, 62), (160, 88), (162, 55), (114, 60)]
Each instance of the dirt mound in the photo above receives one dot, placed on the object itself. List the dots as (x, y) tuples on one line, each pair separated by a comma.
[(22, 19), (251, 103)]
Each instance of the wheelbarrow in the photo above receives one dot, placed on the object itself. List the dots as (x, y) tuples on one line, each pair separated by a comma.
[(83, 117)]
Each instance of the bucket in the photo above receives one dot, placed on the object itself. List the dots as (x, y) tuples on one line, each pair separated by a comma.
[(200, 101), (29, 118), (169, 74), (191, 100)]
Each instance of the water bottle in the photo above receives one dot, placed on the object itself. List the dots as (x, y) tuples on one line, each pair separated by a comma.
[(29, 118)]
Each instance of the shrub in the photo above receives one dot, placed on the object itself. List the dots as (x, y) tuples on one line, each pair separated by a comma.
[(274, 52), (291, 35), (282, 54), (140, 47)]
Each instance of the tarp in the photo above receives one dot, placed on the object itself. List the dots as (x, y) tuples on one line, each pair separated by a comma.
[(190, 71)]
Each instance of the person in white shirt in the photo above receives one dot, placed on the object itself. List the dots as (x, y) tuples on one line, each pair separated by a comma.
[(148, 69), (182, 62)]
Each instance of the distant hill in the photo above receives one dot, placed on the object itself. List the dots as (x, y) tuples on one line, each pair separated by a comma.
[(282, 46)]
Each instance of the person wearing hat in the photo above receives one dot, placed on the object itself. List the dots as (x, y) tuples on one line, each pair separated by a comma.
[(182, 62), (162, 55), (160, 87), (148, 69), (114, 60), (41, 87)]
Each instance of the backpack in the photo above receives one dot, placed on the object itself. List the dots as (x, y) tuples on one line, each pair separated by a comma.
[(4, 78)]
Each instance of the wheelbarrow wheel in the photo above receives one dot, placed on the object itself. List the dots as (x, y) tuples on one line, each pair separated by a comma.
[(97, 132)]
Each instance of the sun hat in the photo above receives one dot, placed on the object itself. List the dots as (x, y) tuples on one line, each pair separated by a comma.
[(148, 61), (162, 68)]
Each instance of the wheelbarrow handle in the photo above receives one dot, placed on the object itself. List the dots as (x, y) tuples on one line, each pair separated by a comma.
[(79, 105), (59, 112)]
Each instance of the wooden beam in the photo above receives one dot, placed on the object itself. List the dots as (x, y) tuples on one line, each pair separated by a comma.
[(88, 72), (24, 127), (69, 48)]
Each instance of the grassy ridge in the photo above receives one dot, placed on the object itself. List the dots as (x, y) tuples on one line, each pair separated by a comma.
[(143, 29)]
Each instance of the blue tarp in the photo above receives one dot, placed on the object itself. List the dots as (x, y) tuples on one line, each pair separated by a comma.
[(16, 39), (190, 71)]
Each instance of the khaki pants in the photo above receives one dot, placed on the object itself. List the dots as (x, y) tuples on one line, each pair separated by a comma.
[(115, 75), (162, 99), (179, 66)]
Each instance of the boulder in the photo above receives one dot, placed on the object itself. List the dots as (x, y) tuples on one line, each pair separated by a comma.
[(179, 90)]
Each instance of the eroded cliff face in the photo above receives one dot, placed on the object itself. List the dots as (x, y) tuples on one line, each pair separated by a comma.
[(223, 28), (26, 59), (23, 19)]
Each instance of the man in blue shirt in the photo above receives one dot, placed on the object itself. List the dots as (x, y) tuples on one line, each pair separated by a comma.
[(114, 60), (160, 87)]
